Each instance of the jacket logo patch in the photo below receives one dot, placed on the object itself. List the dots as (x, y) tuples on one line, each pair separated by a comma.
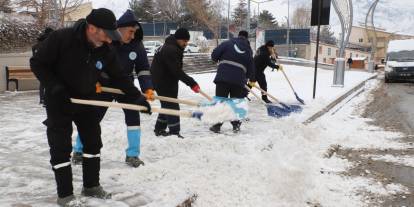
[(132, 55), (99, 65), (238, 49)]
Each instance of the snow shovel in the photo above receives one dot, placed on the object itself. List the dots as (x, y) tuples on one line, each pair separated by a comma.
[(235, 104), (162, 98), (290, 84), (189, 114), (272, 110), (290, 108)]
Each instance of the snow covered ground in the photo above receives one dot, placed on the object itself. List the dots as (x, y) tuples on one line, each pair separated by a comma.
[(271, 162)]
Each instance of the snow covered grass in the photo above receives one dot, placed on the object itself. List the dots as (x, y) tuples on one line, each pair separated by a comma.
[(271, 162)]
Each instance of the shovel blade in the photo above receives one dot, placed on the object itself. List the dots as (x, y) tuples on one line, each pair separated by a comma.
[(276, 111), (299, 99)]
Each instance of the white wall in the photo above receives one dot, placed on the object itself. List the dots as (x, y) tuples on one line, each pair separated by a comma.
[(16, 59)]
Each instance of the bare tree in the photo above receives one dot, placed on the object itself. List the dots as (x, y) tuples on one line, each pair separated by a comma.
[(207, 12), (301, 17), (171, 10), (66, 6), (47, 10)]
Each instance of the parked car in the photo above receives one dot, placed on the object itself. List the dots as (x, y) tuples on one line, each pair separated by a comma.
[(151, 46), (399, 63), (192, 48)]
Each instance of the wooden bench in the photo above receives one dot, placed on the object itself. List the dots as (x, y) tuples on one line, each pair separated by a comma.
[(16, 73)]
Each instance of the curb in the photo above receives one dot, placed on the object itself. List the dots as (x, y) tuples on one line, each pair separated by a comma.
[(337, 101)]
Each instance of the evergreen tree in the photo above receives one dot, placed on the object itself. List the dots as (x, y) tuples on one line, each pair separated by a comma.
[(142, 9), (240, 14), (327, 35), (267, 21)]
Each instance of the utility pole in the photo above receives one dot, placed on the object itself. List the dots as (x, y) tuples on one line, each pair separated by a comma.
[(288, 31), (228, 19), (248, 17), (153, 19)]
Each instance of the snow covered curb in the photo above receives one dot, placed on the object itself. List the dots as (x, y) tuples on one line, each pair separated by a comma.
[(337, 100)]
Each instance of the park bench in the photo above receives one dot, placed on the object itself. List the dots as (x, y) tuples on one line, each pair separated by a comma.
[(16, 73)]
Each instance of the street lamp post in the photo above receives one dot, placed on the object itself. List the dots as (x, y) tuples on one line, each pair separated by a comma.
[(153, 19), (288, 31)]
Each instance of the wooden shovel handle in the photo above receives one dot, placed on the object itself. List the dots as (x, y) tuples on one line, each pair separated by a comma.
[(162, 98), (254, 94), (265, 92), (205, 95), (131, 107)]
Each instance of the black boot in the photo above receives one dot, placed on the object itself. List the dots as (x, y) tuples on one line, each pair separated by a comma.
[(160, 133), (216, 128), (236, 126), (265, 99), (175, 133)]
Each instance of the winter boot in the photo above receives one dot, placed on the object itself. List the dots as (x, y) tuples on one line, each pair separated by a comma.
[(175, 133), (96, 192), (134, 141), (265, 99), (77, 158), (236, 126), (70, 201), (134, 161), (160, 133), (216, 128)]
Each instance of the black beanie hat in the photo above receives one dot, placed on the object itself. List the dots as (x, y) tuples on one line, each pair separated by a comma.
[(244, 34), (182, 34), (128, 19), (106, 20), (270, 43)]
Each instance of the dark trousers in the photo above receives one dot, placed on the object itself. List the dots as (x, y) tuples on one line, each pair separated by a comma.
[(233, 91), (41, 93), (131, 116), (261, 80), (164, 121), (60, 116)]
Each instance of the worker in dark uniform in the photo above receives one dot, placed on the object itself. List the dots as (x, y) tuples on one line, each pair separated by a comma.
[(69, 63), (166, 71), (133, 57), (235, 67), (263, 59)]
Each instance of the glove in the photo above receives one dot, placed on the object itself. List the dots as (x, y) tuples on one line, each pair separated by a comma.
[(149, 94), (251, 84), (143, 102), (196, 88), (280, 67), (276, 67), (59, 92), (98, 87)]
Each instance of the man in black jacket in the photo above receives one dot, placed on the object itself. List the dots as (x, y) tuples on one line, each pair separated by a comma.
[(262, 60), (166, 71), (42, 37), (69, 63)]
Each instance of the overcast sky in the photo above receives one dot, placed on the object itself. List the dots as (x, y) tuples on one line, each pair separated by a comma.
[(401, 10)]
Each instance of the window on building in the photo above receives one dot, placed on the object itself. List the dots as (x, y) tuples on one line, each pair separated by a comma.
[(337, 53), (324, 60), (360, 40), (329, 51), (320, 49)]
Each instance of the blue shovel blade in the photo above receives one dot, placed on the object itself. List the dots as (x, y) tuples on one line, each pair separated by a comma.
[(295, 108), (276, 111)]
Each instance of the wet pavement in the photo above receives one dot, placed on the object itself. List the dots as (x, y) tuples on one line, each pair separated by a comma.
[(391, 109)]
